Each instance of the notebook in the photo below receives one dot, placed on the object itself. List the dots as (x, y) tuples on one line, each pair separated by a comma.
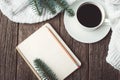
[(47, 45)]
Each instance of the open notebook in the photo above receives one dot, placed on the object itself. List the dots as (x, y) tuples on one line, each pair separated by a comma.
[(46, 45)]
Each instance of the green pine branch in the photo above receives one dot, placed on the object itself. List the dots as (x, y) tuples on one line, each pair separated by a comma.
[(70, 11), (50, 5), (36, 7), (44, 71), (64, 5)]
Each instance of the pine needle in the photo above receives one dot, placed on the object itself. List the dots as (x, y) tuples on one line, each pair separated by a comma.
[(50, 5), (70, 11), (64, 5), (44, 71), (36, 6)]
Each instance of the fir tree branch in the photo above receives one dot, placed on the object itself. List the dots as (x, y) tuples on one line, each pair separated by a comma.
[(42, 74), (50, 5), (44, 71), (36, 6), (70, 11), (64, 5)]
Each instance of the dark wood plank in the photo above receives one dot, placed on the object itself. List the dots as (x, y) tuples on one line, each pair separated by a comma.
[(95, 60), (98, 68), (8, 42), (81, 50), (23, 71), (63, 33), (118, 75), (55, 22)]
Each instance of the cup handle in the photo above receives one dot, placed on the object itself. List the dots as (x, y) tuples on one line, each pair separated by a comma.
[(107, 22)]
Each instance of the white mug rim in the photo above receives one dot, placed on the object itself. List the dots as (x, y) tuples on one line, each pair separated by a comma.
[(102, 12)]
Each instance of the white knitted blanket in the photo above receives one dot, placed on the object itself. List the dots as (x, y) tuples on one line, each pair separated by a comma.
[(20, 11), (113, 56)]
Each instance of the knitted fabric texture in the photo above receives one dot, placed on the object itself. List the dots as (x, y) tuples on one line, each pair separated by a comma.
[(113, 57), (28, 15)]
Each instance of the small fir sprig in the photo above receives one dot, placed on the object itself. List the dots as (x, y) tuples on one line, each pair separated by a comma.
[(64, 5), (50, 5), (44, 71), (36, 7)]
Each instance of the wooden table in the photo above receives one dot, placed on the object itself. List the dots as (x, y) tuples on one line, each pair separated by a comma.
[(92, 56)]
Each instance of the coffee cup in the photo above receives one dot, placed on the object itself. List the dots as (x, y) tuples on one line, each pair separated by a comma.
[(91, 15)]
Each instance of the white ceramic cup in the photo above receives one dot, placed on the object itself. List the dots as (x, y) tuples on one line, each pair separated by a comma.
[(103, 19)]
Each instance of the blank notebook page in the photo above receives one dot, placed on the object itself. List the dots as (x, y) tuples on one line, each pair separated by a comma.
[(43, 45)]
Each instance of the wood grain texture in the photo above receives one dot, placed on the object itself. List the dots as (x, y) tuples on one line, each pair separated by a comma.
[(92, 56), (82, 51), (98, 68), (8, 42)]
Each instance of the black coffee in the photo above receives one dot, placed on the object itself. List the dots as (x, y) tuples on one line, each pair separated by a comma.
[(89, 15)]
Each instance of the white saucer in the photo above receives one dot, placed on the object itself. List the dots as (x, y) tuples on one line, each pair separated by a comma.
[(73, 28)]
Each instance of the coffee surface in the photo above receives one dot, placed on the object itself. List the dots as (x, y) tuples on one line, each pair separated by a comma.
[(89, 15)]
